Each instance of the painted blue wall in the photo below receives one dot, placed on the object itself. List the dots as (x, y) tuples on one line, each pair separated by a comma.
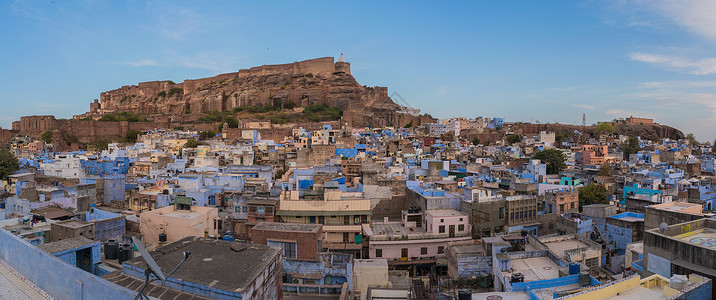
[(54, 276)]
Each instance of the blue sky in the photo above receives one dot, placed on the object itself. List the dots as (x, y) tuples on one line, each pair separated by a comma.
[(540, 61)]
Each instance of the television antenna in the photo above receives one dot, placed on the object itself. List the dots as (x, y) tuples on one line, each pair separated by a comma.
[(153, 268)]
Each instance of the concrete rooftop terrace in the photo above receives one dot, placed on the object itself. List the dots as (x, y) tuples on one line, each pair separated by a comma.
[(639, 293), (559, 247), (705, 237), (219, 264), (533, 268), (14, 287)]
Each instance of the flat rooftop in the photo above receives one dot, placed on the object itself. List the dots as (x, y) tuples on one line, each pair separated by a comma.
[(394, 228), (220, 264), (559, 247), (66, 244), (503, 295), (182, 214), (468, 248), (705, 237), (154, 289), (14, 286), (293, 227), (639, 293), (444, 212), (533, 268), (683, 207), (74, 224)]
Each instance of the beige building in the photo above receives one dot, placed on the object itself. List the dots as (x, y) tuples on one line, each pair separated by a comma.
[(179, 221), (369, 273), (340, 213)]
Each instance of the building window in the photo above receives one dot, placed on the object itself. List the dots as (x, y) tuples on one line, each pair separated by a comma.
[(441, 229), (346, 220), (345, 237), (572, 205), (364, 219), (289, 248), (512, 215), (378, 252), (502, 213), (461, 227), (260, 210), (460, 219), (424, 251), (441, 249), (592, 262), (442, 220), (321, 220)]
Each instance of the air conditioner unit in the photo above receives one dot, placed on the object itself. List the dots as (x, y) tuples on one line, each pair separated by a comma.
[(297, 281)]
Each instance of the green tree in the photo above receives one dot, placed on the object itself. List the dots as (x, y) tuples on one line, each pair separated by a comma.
[(692, 139), (289, 105), (475, 141), (8, 164), (46, 136), (191, 143), (593, 193), (553, 158), (231, 121), (514, 138), (559, 137), (279, 173), (604, 128), (409, 124), (99, 144), (630, 147), (605, 170), (131, 136), (207, 134)]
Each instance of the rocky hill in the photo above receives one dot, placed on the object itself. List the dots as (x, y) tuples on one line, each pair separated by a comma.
[(301, 84), (647, 131)]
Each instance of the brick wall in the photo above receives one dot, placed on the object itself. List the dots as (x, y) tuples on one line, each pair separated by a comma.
[(306, 242)]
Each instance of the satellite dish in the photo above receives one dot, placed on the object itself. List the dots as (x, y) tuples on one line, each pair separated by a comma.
[(663, 226), (148, 259)]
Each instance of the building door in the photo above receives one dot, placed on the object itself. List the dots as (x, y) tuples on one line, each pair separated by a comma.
[(451, 231), (404, 254)]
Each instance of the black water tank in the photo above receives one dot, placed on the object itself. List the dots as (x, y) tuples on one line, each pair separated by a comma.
[(162, 237), (517, 277), (111, 247), (464, 294), (125, 253)]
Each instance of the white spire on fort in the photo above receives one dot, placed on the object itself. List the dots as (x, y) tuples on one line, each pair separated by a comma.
[(340, 59)]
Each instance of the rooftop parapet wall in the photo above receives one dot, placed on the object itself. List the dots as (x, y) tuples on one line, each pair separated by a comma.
[(56, 277)]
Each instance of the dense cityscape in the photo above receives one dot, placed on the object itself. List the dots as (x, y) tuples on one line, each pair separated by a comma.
[(293, 180)]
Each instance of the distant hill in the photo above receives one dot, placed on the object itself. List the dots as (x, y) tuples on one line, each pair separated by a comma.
[(300, 84)]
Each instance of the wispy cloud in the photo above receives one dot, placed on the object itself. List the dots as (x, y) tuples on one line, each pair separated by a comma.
[(173, 23), (142, 63), (695, 15), (696, 67), (670, 101)]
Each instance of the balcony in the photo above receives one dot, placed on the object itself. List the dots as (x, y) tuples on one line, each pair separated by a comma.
[(342, 246)]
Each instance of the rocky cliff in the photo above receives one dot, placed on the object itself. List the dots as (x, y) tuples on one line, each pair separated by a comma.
[(310, 82), (647, 131)]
